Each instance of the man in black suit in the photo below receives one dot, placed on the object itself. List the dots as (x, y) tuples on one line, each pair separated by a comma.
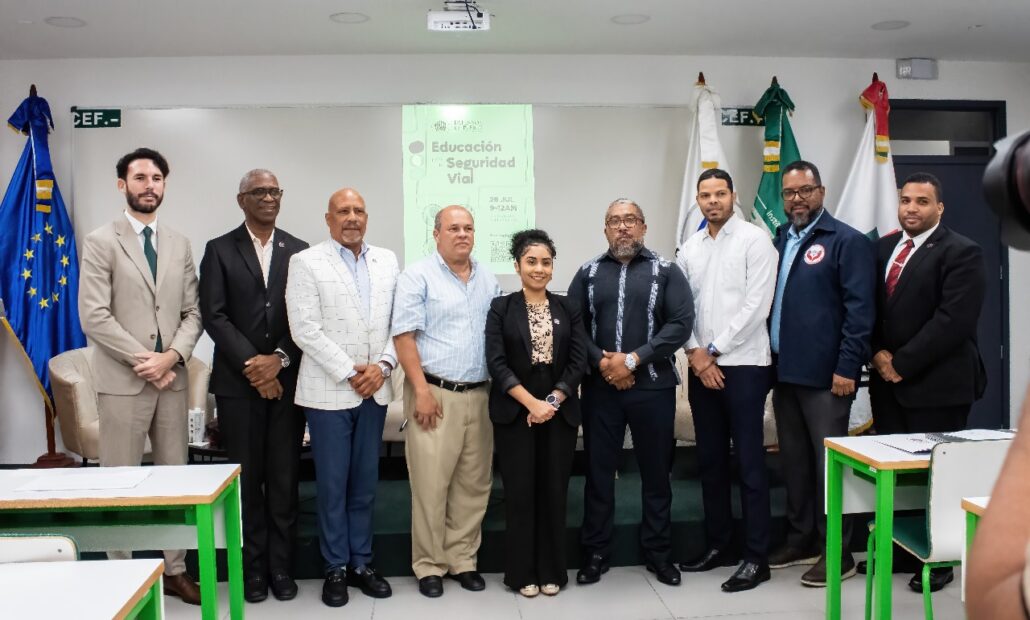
[(930, 289), (254, 377)]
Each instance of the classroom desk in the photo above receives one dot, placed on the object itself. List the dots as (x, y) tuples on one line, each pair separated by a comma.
[(974, 507), (102, 589), (175, 507), (898, 482)]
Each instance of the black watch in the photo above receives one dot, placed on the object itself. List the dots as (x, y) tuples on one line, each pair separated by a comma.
[(712, 350)]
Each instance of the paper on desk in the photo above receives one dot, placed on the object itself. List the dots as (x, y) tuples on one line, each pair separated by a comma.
[(917, 443), (86, 480), (923, 443), (982, 434)]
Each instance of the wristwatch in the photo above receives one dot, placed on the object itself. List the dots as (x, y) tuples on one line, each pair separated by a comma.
[(283, 358), (712, 350), (631, 362), (552, 400), (386, 368)]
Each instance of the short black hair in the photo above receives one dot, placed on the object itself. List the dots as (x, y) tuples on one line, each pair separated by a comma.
[(122, 167), (521, 241), (926, 177), (715, 173), (802, 166)]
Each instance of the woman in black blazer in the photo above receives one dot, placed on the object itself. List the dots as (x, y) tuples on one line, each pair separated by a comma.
[(536, 354)]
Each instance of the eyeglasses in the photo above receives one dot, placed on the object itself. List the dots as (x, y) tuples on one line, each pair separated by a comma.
[(805, 192), (260, 192), (630, 221)]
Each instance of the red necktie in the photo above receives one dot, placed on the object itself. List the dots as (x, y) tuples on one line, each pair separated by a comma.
[(895, 273)]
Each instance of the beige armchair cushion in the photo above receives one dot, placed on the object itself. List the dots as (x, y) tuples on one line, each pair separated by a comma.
[(75, 399)]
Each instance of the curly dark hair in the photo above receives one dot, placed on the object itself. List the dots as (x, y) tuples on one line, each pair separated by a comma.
[(122, 167), (521, 241)]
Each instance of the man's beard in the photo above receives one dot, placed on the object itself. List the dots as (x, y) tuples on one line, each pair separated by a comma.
[(626, 249), (134, 203), (801, 219)]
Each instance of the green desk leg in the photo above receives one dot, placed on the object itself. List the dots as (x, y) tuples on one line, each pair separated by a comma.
[(972, 520), (834, 508), (233, 549), (885, 480), (206, 562), (149, 607)]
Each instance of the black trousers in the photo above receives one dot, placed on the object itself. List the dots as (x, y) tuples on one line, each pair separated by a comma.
[(650, 415), (264, 437), (734, 412), (805, 416), (535, 463), (890, 416)]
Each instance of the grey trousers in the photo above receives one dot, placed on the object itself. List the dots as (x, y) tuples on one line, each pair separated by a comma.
[(804, 417), (126, 422)]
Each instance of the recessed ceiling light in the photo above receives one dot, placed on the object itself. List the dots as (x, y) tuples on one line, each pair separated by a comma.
[(630, 19), (891, 24), (975, 27), (349, 18), (65, 22)]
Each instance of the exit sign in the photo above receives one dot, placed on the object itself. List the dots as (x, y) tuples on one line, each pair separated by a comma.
[(89, 118), (741, 117)]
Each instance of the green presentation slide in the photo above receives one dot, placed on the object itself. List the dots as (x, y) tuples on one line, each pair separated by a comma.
[(476, 156)]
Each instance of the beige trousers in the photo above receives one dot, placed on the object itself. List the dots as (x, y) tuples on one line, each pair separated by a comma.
[(125, 423), (449, 469)]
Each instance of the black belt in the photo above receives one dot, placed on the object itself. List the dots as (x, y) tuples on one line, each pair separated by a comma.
[(452, 386)]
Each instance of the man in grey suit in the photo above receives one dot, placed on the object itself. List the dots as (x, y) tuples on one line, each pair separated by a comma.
[(138, 306)]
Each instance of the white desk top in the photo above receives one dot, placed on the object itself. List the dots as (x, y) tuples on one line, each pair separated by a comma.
[(85, 589), (167, 485), (868, 450), (975, 505)]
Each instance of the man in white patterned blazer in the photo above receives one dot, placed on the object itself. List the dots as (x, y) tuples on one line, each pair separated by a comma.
[(339, 298)]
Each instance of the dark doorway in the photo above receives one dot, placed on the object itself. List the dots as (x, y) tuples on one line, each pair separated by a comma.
[(966, 212)]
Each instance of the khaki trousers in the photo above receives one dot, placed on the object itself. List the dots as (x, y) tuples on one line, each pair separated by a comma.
[(449, 469), (125, 423)]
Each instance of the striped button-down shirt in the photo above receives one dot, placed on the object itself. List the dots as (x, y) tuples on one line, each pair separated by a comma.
[(447, 315)]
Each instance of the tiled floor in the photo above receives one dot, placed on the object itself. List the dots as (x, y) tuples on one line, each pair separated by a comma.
[(623, 594)]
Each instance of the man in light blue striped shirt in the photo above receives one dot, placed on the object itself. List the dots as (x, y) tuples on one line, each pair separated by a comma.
[(439, 318)]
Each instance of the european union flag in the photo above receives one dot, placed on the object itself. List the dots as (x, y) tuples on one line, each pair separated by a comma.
[(39, 267)]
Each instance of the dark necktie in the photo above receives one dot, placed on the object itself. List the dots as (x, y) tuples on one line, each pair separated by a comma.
[(151, 254), (895, 272)]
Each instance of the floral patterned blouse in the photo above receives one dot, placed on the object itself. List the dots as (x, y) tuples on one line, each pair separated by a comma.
[(541, 332)]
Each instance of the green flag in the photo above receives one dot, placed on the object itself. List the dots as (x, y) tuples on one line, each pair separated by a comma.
[(780, 150)]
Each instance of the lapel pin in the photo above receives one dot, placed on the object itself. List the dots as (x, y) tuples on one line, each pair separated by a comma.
[(282, 245), (557, 322), (930, 245)]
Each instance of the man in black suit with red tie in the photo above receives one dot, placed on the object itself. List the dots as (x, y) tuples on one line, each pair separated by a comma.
[(930, 289), (254, 378)]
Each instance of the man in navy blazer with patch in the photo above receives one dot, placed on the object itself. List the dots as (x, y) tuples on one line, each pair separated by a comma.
[(929, 292), (254, 377), (819, 329)]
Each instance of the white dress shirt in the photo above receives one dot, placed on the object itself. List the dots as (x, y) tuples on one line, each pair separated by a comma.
[(733, 279), (264, 252), (917, 242), (138, 226)]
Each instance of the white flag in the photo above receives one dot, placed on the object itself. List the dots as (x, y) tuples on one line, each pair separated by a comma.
[(869, 202), (704, 151)]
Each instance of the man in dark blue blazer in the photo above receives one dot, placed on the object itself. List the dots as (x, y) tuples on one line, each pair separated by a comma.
[(254, 377), (819, 329), (929, 292)]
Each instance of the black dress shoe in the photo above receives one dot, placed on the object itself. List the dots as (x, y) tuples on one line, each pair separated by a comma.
[(370, 582), (713, 558), (284, 588), (255, 589), (431, 586), (939, 577), (334, 590), (470, 580), (592, 569), (748, 576), (666, 573)]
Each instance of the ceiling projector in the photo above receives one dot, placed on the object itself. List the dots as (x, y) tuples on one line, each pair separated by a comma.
[(458, 16)]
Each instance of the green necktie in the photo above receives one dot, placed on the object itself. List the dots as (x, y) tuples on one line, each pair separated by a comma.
[(151, 254)]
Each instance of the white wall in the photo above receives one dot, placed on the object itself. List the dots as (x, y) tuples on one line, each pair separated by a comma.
[(825, 91)]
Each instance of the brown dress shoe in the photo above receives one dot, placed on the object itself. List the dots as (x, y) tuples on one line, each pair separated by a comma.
[(183, 586)]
